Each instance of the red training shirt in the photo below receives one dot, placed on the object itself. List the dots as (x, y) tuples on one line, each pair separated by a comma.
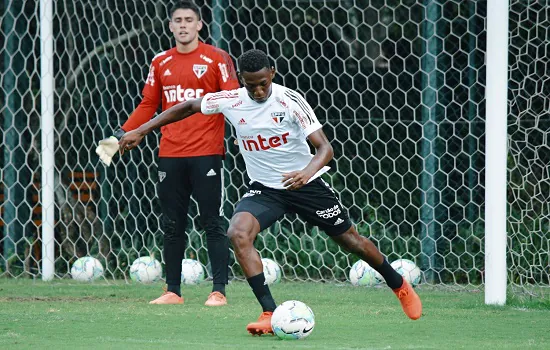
[(176, 77)]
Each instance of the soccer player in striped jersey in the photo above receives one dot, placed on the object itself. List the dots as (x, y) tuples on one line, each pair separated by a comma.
[(273, 125)]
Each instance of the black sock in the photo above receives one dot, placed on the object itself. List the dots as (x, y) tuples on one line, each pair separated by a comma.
[(219, 287), (174, 288), (262, 293), (393, 279)]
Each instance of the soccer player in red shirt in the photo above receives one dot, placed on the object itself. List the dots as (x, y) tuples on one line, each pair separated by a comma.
[(191, 151)]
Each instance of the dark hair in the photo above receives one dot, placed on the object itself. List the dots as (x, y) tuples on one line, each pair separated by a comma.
[(253, 61), (185, 5)]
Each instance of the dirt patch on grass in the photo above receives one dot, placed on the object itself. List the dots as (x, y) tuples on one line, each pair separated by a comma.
[(65, 299)]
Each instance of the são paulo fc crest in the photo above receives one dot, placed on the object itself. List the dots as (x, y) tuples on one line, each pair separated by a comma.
[(278, 117), (162, 175), (200, 69)]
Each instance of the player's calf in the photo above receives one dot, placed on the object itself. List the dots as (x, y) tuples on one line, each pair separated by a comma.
[(354, 243), (361, 246)]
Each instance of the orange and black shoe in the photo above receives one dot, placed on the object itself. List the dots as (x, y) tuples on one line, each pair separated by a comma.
[(410, 301), (262, 326)]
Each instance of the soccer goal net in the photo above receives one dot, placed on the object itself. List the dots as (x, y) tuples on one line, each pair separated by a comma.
[(398, 85)]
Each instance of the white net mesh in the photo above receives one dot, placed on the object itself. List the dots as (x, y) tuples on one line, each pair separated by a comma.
[(398, 85), (529, 140)]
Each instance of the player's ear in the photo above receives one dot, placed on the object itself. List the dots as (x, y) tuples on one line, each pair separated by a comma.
[(199, 25), (240, 78), (272, 73)]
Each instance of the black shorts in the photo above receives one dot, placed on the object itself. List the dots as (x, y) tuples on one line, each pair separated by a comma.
[(315, 202)]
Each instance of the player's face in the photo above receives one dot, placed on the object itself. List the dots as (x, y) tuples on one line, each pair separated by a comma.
[(185, 25), (258, 84)]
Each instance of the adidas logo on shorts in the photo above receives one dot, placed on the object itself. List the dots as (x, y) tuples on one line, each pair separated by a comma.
[(211, 173), (338, 222)]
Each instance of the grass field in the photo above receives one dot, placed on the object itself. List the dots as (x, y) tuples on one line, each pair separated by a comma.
[(65, 314)]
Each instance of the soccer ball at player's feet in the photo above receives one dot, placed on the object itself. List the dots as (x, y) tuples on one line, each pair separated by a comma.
[(192, 271), (293, 320), (408, 270), (145, 270), (86, 269), (272, 271), (362, 274)]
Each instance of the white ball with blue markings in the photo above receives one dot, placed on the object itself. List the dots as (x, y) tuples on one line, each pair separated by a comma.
[(86, 269), (292, 320), (146, 270), (408, 269), (272, 271), (362, 274), (192, 271)]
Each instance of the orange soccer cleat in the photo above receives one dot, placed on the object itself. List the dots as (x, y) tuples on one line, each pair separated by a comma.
[(262, 326), (216, 299), (167, 298), (410, 301)]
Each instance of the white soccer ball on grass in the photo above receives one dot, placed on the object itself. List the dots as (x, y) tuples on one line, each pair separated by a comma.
[(272, 271), (362, 274), (86, 269), (146, 270), (292, 320), (408, 269), (192, 271)]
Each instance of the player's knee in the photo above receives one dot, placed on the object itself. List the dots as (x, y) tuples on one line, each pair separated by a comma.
[(238, 236), (213, 226), (350, 240), (168, 228)]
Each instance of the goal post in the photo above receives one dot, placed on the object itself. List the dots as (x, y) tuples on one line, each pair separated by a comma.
[(47, 90), (496, 134)]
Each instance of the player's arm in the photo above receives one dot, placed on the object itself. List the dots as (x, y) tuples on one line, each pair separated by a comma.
[(176, 113), (227, 76), (324, 153), (108, 147)]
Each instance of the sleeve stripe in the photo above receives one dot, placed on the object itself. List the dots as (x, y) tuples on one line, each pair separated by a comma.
[(223, 94), (299, 101)]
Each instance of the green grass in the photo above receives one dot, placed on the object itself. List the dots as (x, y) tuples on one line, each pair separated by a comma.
[(65, 314)]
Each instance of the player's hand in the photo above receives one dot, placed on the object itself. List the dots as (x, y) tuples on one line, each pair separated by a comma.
[(130, 140), (107, 149), (296, 179)]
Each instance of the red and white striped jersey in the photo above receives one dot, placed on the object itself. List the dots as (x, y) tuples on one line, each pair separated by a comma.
[(272, 135)]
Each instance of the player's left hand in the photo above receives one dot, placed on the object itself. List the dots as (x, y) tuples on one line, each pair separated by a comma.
[(295, 179), (130, 140)]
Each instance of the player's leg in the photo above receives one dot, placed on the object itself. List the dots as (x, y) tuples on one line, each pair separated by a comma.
[(206, 178), (363, 247), (174, 193), (258, 210), (352, 242), (318, 204)]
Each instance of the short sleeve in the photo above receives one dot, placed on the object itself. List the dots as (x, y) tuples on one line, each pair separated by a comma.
[(213, 103), (302, 113)]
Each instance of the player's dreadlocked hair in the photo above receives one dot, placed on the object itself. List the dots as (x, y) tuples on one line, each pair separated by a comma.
[(185, 5), (253, 60)]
